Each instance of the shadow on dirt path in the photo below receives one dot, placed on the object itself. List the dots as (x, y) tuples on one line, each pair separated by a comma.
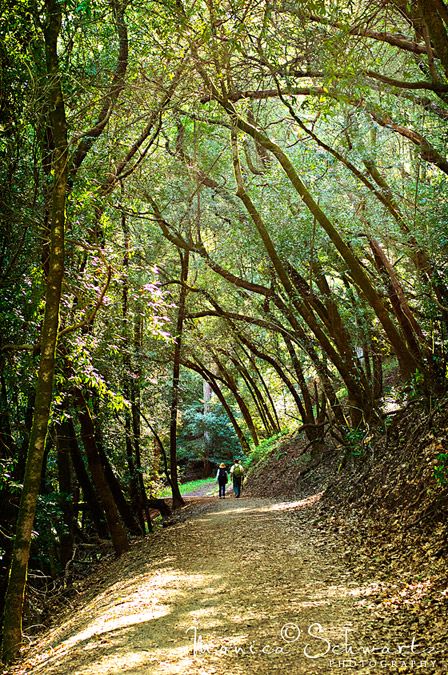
[(244, 586)]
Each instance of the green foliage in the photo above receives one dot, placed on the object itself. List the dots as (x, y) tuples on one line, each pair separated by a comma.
[(49, 526), (121, 283), (441, 469), (208, 435), (265, 448), (357, 441), (7, 483), (416, 385)]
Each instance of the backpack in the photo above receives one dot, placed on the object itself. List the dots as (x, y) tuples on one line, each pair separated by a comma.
[(222, 477), (238, 470)]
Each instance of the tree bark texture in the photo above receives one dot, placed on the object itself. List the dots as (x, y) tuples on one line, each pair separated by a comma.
[(177, 497), (12, 625)]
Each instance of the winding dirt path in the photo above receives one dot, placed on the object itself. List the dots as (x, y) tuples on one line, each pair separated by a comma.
[(244, 586)]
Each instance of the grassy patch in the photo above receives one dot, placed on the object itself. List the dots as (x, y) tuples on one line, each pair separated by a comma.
[(191, 486)]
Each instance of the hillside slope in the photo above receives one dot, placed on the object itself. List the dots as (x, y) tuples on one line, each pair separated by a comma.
[(390, 505)]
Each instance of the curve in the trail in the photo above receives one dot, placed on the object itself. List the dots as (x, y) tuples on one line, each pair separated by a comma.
[(244, 586)]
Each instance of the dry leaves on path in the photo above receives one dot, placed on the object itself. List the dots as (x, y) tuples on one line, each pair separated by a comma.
[(243, 586)]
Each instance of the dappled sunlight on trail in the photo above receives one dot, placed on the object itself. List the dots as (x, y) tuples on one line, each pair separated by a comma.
[(243, 506), (245, 586)]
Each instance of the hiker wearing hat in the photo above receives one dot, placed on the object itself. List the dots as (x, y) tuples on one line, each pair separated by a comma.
[(222, 479)]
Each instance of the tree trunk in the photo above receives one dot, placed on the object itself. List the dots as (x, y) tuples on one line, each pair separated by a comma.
[(321, 368), (132, 417), (114, 524), (266, 390), (309, 414), (125, 511), (136, 428), (65, 480), (406, 360), (211, 379), (177, 497), (88, 490), (257, 397), (232, 385), (12, 625), (411, 329), (345, 365), (278, 368), (434, 21)]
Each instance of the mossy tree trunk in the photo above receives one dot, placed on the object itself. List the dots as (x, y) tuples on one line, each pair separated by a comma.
[(12, 624)]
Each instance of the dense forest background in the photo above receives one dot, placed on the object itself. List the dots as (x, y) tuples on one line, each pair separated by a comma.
[(221, 221)]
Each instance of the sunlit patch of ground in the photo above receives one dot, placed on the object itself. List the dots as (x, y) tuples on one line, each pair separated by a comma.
[(245, 586)]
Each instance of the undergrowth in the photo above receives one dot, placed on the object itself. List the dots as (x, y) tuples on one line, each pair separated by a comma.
[(267, 446)]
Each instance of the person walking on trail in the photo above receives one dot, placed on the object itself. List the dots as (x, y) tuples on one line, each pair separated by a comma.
[(222, 479), (237, 473)]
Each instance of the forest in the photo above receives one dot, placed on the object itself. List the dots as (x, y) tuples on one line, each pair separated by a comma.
[(223, 223)]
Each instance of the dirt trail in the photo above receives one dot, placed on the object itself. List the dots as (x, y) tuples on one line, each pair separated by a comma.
[(235, 589)]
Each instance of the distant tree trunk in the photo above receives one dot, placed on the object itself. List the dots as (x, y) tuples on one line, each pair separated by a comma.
[(177, 497), (83, 478), (259, 407), (136, 426), (266, 389), (161, 448), (65, 480), (313, 421), (206, 394), (114, 524), (12, 624), (133, 484), (229, 381), (211, 379), (257, 397), (125, 511), (132, 417), (319, 362), (309, 414), (279, 369)]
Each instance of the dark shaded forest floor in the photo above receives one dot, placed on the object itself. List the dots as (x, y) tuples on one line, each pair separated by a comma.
[(241, 586)]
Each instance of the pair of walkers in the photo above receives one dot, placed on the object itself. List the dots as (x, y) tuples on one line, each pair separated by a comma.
[(236, 474)]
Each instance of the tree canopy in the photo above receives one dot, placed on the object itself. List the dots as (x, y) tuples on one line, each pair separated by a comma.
[(220, 220)]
